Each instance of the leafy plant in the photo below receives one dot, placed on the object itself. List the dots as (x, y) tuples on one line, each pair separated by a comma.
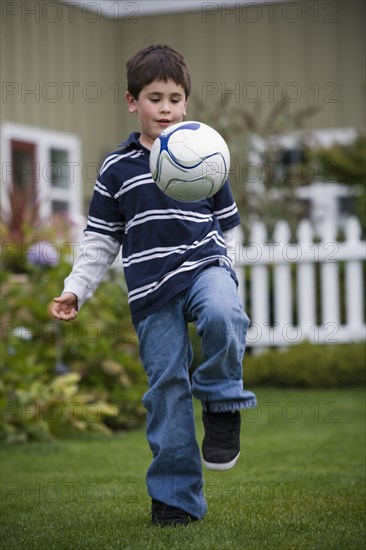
[(61, 377), (261, 190), (29, 241), (308, 366), (346, 164)]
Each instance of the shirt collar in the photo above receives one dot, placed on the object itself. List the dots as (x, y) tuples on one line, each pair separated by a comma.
[(133, 139)]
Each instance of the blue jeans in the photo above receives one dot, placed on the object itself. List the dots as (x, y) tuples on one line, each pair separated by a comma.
[(212, 303)]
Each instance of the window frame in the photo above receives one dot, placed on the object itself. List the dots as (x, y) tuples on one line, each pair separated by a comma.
[(319, 194), (44, 140)]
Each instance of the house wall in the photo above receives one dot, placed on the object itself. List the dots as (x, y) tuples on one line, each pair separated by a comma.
[(63, 67), (56, 74)]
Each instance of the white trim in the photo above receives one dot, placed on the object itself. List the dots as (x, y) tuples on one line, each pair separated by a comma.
[(44, 140), (322, 137), (323, 195), (132, 11)]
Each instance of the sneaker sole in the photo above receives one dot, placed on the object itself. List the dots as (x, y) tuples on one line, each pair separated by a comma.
[(221, 467)]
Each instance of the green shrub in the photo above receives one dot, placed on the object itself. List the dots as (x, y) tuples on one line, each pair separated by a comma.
[(63, 378), (307, 366), (304, 365), (59, 378)]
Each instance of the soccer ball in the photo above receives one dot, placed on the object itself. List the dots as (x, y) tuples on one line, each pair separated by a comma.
[(189, 161)]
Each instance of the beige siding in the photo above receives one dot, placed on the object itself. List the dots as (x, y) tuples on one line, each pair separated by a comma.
[(321, 52), (71, 66)]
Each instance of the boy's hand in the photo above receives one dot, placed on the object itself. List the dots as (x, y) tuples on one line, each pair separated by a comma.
[(65, 307)]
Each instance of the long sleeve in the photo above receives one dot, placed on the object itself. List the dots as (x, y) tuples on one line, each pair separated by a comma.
[(95, 257), (231, 238)]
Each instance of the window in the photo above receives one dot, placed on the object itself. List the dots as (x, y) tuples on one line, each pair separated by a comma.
[(323, 201), (41, 172), (23, 186), (59, 172)]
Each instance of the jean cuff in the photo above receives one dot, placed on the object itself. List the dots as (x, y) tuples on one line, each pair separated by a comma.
[(228, 406)]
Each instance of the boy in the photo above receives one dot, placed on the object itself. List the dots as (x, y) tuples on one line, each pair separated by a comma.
[(177, 270)]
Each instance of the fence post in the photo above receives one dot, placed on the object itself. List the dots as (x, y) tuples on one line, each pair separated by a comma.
[(306, 288), (260, 286), (238, 266), (282, 283), (354, 279), (329, 279)]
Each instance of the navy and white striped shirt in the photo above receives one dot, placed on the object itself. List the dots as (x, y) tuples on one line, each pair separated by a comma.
[(165, 242)]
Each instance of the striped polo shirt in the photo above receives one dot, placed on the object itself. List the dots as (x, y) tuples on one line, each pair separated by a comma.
[(165, 242)]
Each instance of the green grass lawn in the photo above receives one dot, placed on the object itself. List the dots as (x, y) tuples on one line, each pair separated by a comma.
[(299, 483)]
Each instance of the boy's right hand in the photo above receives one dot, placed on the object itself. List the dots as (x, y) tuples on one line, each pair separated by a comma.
[(65, 307)]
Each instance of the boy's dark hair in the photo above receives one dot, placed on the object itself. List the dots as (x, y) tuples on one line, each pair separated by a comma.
[(160, 63)]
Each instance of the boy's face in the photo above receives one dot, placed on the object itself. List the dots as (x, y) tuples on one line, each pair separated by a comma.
[(159, 105)]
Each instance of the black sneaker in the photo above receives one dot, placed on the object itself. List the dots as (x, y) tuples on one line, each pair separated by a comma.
[(164, 515), (221, 444)]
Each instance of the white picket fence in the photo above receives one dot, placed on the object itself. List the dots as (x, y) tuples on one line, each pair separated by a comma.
[(303, 290)]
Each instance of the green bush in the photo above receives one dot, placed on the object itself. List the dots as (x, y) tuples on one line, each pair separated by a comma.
[(307, 366), (63, 378), (303, 365), (59, 378)]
